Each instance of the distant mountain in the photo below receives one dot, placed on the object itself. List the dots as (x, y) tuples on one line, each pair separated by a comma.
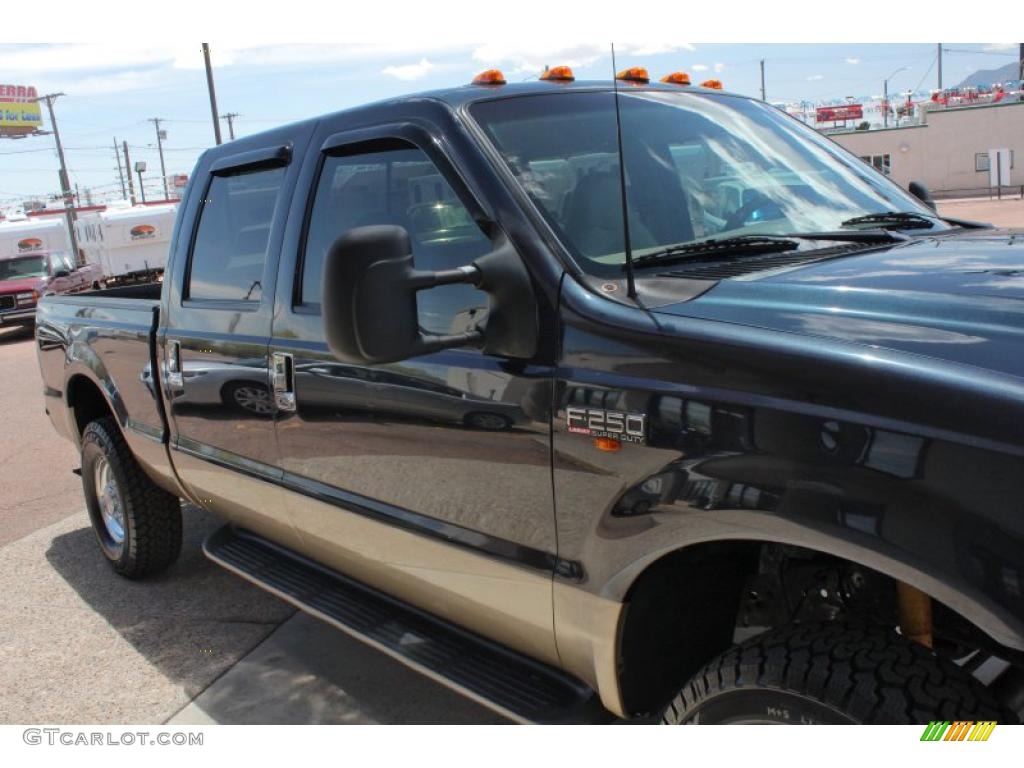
[(989, 76)]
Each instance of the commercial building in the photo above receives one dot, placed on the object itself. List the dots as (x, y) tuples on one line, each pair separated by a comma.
[(948, 150)]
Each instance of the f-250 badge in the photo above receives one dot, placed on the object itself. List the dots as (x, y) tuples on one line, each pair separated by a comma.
[(597, 422)]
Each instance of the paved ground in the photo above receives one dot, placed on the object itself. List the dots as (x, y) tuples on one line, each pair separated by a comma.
[(195, 645), (1002, 213)]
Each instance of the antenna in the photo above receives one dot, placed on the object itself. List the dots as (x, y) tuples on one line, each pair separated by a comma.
[(630, 284)]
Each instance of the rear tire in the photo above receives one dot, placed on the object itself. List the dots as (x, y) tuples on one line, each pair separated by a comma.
[(137, 523), (835, 673)]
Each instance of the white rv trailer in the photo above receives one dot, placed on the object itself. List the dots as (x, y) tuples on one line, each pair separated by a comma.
[(130, 243), (34, 234)]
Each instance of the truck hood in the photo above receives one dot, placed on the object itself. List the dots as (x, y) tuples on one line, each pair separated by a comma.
[(954, 297), (22, 284)]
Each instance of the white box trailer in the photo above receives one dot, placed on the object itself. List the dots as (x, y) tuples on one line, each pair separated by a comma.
[(35, 234), (129, 243)]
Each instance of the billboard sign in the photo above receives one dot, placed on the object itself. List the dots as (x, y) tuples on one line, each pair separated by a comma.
[(19, 114), (840, 113)]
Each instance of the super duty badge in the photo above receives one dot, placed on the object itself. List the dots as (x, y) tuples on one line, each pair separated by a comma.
[(597, 422)]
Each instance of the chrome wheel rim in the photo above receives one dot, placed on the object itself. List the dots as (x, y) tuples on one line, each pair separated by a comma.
[(109, 498), (253, 399)]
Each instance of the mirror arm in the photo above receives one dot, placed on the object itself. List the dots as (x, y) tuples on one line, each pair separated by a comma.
[(431, 343), (467, 274)]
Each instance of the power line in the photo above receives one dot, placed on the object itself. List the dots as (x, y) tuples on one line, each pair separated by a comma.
[(1009, 53)]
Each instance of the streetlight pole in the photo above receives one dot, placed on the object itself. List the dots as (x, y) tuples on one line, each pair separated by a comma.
[(885, 97), (762, 80), (65, 181), (213, 93), (140, 166), (160, 136)]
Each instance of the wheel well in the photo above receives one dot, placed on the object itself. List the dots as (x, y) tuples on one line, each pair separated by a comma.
[(694, 603), (87, 402), (659, 648)]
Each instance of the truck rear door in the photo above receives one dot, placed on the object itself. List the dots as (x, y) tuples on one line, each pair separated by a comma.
[(215, 341)]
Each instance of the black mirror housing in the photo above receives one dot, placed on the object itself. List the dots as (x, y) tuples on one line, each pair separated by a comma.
[(919, 190), (61, 273), (369, 306)]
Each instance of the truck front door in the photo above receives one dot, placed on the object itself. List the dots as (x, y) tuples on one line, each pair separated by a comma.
[(429, 478)]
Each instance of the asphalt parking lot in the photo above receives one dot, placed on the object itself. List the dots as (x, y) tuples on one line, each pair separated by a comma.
[(197, 644)]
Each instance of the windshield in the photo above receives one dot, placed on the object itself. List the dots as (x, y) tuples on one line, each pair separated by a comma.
[(27, 266), (697, 167)]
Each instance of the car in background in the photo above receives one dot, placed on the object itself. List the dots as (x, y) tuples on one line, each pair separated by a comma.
[(23, 279)]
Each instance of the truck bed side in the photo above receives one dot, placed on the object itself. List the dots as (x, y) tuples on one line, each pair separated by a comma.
[(97, 353)]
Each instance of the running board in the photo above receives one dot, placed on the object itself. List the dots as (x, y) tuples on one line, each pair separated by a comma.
[(500, 679)]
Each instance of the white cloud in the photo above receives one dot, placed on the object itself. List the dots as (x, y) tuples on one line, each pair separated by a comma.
[(37, 60), (816, 77), (410, 71), (656, 49), (852, 60), (533, 58), (1000, 47), (699, 67), (719, 66)]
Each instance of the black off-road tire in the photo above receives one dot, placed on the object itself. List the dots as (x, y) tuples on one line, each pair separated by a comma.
[(151, 539), (831, 673)]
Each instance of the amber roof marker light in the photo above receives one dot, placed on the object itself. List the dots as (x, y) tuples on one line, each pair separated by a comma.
[(716, 84), (560, 73), (633, 75), (676, 78), (490, 77)]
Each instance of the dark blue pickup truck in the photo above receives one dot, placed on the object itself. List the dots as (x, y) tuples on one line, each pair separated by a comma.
[(587, 399)]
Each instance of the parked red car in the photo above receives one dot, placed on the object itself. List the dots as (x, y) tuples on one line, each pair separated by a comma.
[(23, 279)]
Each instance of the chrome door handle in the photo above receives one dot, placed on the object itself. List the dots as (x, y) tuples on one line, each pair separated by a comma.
[(282, 377), (175, 379)]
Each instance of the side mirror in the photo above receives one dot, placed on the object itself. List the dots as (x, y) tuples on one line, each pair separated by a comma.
[(62, 273), (920, 191), (369, 306)]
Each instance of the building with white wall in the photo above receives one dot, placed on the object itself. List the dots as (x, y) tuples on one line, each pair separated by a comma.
[(949, 151)]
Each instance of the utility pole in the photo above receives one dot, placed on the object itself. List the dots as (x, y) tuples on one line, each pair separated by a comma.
[(1020, 74), (230, 117), (120, 173), (940, 66), (762, 80), (65, 182), (213, 93), (128, 173), (160, 136)]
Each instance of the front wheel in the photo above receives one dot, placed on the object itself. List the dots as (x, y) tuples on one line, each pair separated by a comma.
[(835, 673), (493, 422), (138, 524)]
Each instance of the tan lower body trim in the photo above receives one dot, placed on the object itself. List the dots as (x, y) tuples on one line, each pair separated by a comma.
[(587, 632)]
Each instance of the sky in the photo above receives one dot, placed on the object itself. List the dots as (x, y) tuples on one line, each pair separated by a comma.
[(113, 91)]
